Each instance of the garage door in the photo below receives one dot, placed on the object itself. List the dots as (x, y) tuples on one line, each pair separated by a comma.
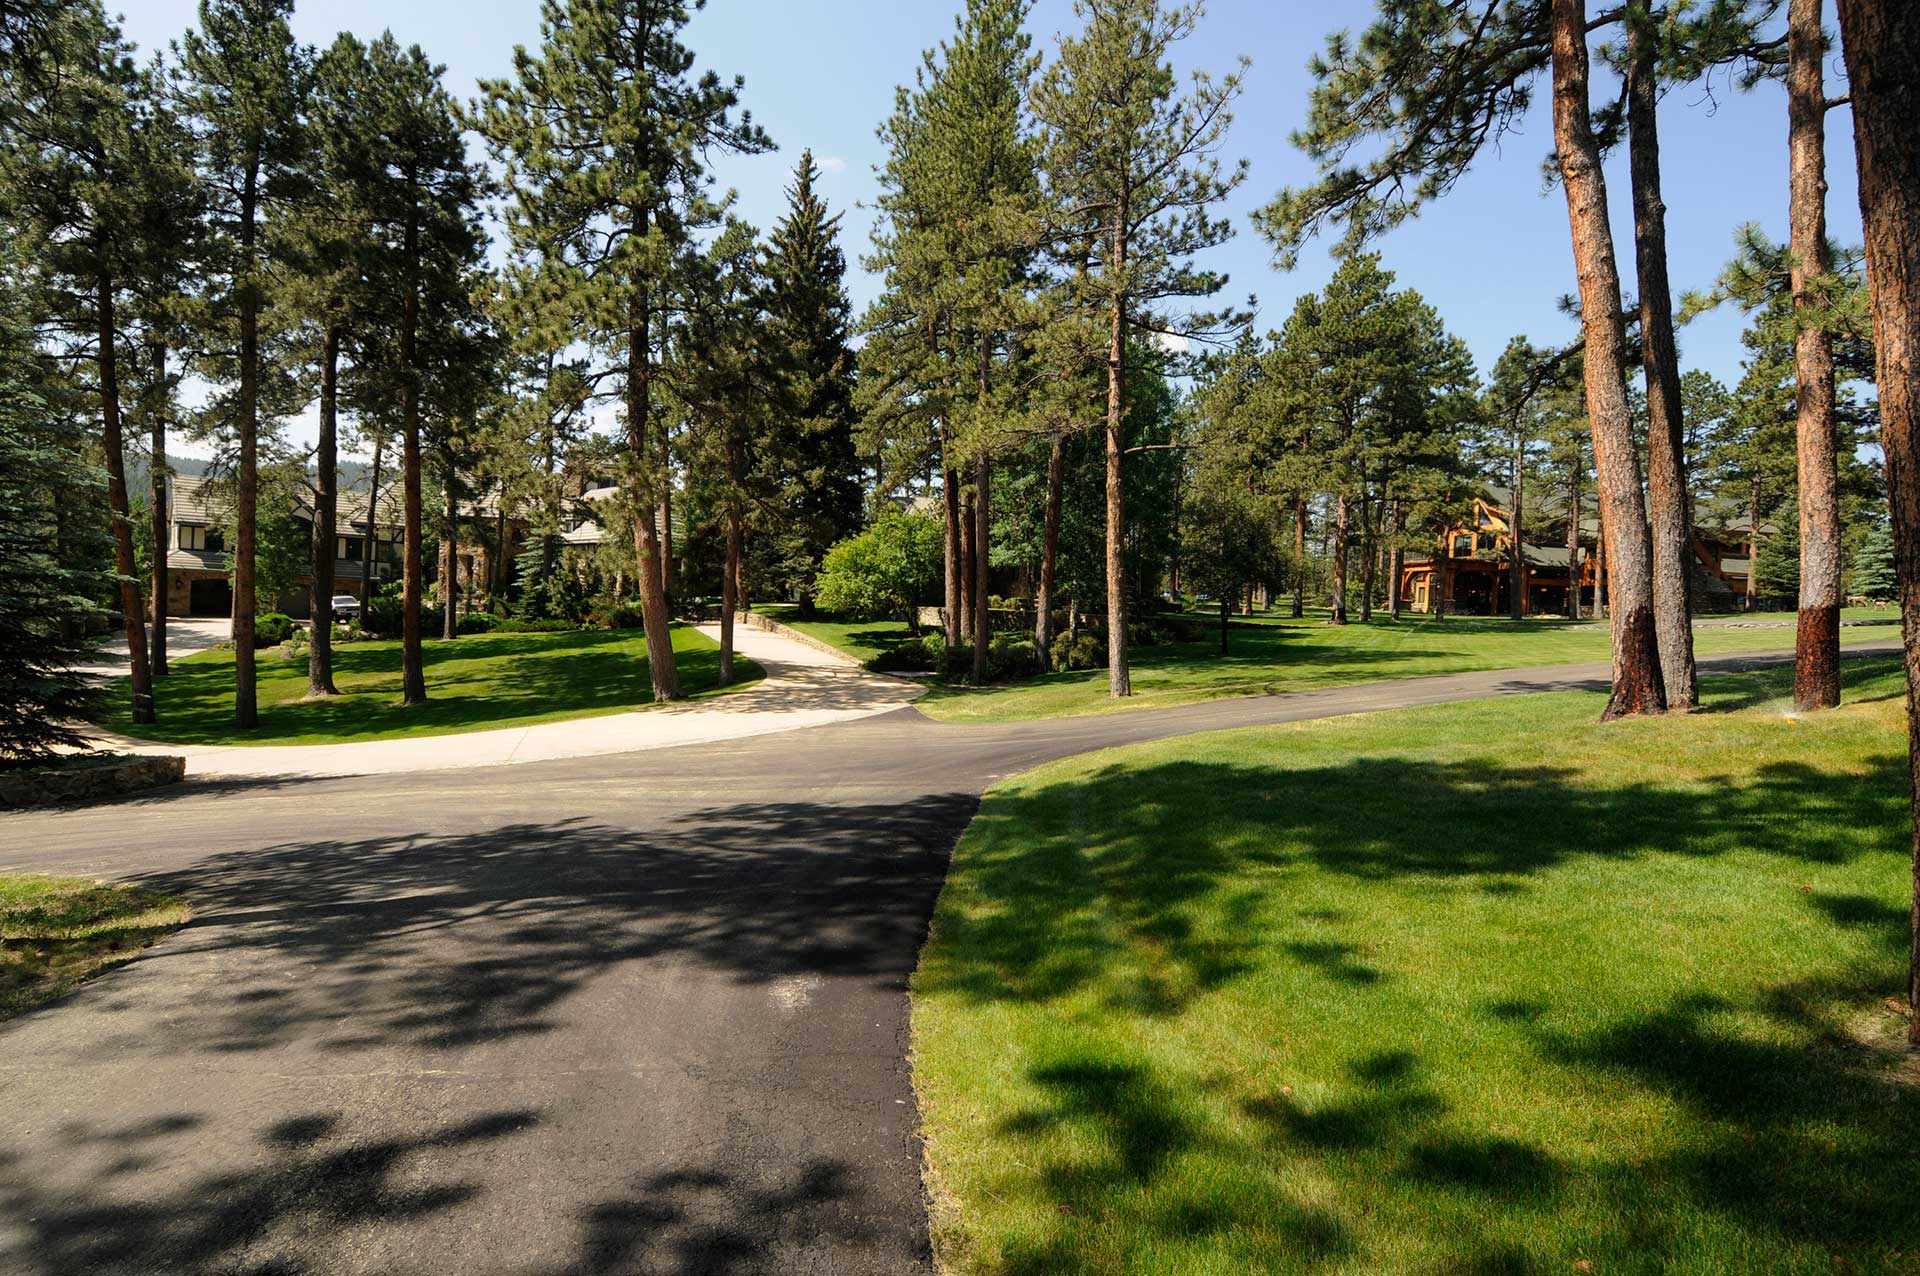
[(209, 598)]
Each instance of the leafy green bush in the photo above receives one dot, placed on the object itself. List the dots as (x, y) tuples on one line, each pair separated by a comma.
[(1012, 656), (516, 625), (1086, 650), (478, 622), (272, 629), (625, 614), (883, 571), (916, 655)]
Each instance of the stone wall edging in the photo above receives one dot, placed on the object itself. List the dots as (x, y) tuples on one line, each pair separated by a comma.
[(51, 785)]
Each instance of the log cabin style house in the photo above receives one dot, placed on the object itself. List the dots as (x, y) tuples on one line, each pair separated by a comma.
[(1476, 559)]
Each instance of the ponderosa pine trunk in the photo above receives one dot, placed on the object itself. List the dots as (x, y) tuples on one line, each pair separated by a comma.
[(967, 616), (1049, 553), (326, 505), (1600, 611), (666, 528), (729, 598), (1573, 544), (1671, 537), (1339, 616), (369, 544), (951, 566), (1637, 687), (1443, 576), (139, 671), (1368, 517), (982, 526), (1396, 561), (246, 709), (1299, 557), (1119, 673), (1753, 540), (413, 675), (1516, 536), (162, 544), (662, 671), (1816, 656), (1881, 39), (449, 557)]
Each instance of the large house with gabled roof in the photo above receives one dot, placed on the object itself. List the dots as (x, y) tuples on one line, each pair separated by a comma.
[(200, 563), (1479, 553)]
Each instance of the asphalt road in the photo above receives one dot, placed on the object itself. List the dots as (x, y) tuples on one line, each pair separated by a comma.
[(638, 1013)]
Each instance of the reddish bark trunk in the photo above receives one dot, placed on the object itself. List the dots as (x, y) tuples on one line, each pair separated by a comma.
[(661, 669), (1339, 616), (1299, 557), (1671, 537), (1049, 553), (157, 646), (1119, 673), (1882, 47), (246, 712), (1816, 658), (326, 502), (1637, 686), (139, 671), (982, 521)]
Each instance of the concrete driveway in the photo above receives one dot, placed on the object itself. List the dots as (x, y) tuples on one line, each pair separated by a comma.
[(631, 1013), (185, 635)]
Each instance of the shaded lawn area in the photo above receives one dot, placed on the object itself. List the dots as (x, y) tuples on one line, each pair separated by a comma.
[(58, 932), (1475, 988), (474, 683), (861, 639), (1270, 654)]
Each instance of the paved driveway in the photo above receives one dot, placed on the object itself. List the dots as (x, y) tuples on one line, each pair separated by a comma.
[(185, 635), (637, 1013)]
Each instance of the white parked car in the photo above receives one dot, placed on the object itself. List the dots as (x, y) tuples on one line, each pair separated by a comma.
[(345, 606)]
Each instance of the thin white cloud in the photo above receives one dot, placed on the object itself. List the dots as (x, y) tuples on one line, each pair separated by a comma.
[(831, 163)]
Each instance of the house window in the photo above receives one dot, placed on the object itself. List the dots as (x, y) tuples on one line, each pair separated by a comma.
[(1462, 545), (207, 539), (347, 548)]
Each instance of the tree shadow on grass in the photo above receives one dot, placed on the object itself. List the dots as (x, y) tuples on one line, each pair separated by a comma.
[(1039, 913), (1794, 1141)]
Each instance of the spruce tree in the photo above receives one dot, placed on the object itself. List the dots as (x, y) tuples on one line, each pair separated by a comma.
[(605, 135), (81, 186), (245, 83), (49, 563), (1132, 165), (810, 440)]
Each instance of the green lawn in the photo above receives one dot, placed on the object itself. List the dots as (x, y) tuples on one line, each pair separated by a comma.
[(1468, 989), (1270, 654), (58, 932), (473, 683), (861, 639)]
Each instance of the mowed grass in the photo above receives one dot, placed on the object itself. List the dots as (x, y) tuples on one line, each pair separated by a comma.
[(58, 932), (861, 639), (474, 683), (1466, 989), (1271, 654)]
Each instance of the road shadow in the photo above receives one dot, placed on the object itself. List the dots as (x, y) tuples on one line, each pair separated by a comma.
[(442, 942)]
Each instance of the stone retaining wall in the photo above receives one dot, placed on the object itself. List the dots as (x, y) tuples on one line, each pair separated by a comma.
[(46, 786)]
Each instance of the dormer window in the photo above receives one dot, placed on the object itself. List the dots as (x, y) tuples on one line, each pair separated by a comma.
[(206, 539)]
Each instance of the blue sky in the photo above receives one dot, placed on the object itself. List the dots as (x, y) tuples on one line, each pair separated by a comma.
[(1493, 257)]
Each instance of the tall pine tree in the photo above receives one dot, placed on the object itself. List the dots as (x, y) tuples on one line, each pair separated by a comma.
[(606, 134), (244, 88), (1133, 170)]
